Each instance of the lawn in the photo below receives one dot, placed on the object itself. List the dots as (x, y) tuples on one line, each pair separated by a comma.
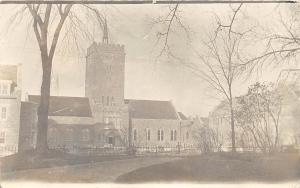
[(33, 160), (220, 168)]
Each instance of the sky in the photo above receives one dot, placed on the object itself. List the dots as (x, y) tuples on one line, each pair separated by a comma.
[(146, 75)]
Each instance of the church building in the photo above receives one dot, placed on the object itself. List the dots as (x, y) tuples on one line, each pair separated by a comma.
[(103, 118)]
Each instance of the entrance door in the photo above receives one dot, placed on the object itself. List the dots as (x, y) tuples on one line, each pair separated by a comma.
[(111, 140)]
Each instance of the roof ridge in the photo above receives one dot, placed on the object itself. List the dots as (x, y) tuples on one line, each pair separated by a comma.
[(58, 96), (148, 100)]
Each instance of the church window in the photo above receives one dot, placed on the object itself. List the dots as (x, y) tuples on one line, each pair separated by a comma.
[(107, 100), (2, 137), (173, 135), (148, 134), (160, 135), (3, 113)]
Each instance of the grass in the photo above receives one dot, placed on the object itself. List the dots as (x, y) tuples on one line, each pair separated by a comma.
[(220, 168), (34, 160)]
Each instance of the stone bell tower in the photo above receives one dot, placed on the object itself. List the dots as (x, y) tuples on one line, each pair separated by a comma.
[(104, 79)]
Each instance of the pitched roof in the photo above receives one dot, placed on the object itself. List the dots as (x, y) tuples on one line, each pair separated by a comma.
[(182, 116), (66, 106), (149, 109), (9, 72)]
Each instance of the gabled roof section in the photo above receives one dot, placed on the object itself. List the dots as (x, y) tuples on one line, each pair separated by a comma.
[(150, 109), (66, 106), (182, 116), (9, 72)]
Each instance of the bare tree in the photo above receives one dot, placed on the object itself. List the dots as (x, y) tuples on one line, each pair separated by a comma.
[(258, 114), (221, 59), (283, 44), (48, 23), (169, 24), (219, 65)]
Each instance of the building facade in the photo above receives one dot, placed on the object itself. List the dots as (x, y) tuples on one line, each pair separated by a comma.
[(10, 105), (158, 124)]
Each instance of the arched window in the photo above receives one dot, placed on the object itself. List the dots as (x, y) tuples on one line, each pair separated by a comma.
[(173, 135), (160, 135), (148, 134), (107, 100), (187, 135)]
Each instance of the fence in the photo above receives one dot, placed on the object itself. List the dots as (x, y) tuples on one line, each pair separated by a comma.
[(146, 150), (162, 150), (138, 150), (89, 150)]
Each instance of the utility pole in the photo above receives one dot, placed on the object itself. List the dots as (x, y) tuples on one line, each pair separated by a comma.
[(179, 143), (130, 129)]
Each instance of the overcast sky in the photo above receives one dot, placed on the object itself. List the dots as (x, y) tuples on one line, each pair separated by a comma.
[(146, 77)]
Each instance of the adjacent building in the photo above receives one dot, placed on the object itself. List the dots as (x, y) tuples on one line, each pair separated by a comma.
[(10, 106), (289, 116)]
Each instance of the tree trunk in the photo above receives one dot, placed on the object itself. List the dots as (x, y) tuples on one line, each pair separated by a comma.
[(42, 145), (130, 129), (232, 127)]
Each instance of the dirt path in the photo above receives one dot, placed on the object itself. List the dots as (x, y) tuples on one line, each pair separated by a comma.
[(97, 172)]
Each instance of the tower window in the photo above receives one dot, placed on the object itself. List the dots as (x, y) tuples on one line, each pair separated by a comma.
[(107, 100), (3, 113)]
